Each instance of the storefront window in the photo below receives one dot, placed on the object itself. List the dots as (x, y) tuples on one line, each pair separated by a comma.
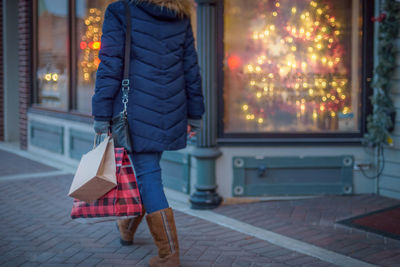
[(52, 72), (89, 21), (68, 46), (292, 66)]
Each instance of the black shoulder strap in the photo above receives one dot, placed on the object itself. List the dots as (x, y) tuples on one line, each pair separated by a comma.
[(127, 40), (127, 58)]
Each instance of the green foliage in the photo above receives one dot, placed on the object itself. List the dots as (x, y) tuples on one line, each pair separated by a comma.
[(379, 121)]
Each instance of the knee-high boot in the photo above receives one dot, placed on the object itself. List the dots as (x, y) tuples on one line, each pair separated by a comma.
[(162, 227), (128, 227)]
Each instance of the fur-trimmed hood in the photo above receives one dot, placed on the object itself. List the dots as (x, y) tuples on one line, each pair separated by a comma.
[(181, 8)]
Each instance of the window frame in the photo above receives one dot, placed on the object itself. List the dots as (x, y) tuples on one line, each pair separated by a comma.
[(71, 112), (301, 138)]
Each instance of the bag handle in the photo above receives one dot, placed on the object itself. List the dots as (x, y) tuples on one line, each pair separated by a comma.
[(127, 58)]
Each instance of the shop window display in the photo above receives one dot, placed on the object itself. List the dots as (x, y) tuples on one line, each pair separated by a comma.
[(292, 66), (89, 21), (52, 71)]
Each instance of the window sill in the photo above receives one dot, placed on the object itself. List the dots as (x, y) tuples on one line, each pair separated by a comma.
[(290, 141), (66, 115)]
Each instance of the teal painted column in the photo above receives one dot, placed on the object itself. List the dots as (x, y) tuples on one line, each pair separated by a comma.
[(206, 151)]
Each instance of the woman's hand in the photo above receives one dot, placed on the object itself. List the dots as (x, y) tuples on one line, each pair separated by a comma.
[(190, 132), (101, 127)]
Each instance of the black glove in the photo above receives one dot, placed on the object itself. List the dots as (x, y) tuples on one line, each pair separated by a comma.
[(101, 127)]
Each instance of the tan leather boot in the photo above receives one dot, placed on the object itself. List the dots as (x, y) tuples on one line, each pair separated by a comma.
[(127, 229), (162, 227)]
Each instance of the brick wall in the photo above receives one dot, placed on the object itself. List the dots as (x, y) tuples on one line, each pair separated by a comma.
[(1, 75), (25, 65)]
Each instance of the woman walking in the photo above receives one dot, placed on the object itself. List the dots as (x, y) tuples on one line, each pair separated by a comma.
[(165, 102)]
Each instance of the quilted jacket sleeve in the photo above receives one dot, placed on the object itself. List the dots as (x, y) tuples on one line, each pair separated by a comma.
[(195, 101), (110, 71)]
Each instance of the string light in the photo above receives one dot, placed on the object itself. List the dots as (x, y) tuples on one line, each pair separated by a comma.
[(294, 66)]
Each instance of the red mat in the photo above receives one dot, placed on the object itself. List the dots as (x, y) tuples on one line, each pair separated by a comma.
[(384, 222)]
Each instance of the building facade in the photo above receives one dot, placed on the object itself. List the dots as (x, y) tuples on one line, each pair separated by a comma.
[(286, 84)]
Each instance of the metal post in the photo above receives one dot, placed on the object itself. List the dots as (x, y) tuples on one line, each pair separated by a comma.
[(206, 151)]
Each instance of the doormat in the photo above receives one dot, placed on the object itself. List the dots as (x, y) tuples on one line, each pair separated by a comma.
[(385, 222)]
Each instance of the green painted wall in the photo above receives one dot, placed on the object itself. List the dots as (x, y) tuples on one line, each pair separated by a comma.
[(389, 183)]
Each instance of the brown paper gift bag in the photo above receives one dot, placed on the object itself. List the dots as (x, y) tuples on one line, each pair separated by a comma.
[(96, 173)]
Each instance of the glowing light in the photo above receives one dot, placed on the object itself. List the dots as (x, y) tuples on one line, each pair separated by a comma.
[(305, 85), (324, 98), (293, 48), (311, 92), (271, 75), (277, 4), (47, 77), (245, 107), (315, 115), (323, 29), (272, 27), (294, 10), (333, 98), (274, 13), (252, 83), (250, 68), (55, 77), (259, 94), (234, 62), (302, 107), (313, 4), (83, 45), (260, 120), (319, 11), (255, 35), (303, 65), (343, 97), (324, 59), (322, 108), (337, 32), (258, 69), (333, 114), (314, 57)]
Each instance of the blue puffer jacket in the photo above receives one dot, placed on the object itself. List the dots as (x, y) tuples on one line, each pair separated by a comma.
[(164, 73)]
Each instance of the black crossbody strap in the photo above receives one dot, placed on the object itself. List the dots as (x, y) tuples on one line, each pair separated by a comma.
[(127, 56)]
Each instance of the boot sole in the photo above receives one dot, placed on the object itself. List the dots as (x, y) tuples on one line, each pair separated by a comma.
[(124, 242)]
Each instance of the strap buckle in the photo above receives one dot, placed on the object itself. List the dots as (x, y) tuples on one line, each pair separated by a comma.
[(125, 82)]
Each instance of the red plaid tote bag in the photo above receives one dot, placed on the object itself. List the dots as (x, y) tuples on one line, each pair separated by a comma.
[(121, 201)]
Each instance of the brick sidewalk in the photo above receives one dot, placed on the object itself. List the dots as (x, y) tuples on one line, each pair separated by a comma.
[(314, 221), (11, 164), (35, 230)]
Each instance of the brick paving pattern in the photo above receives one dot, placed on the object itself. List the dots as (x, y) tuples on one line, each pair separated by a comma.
[(314, 221), (35, 230), (11, 164)]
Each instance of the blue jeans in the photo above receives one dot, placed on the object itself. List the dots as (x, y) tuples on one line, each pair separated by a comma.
[(148, 176)]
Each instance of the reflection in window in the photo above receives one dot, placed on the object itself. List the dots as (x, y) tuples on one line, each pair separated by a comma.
[(52, 70), (89, 21), (291, 66)]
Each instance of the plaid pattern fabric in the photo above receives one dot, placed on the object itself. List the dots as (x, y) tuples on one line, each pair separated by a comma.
[(123, 200)]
